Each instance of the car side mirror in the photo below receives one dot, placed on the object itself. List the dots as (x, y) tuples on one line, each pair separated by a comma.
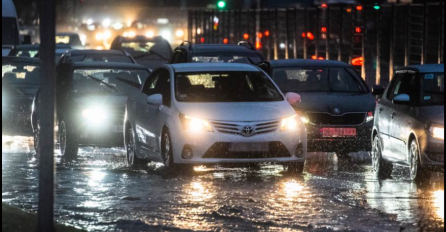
[(378, 90), (401, 99), (293, 98), (155, 100)]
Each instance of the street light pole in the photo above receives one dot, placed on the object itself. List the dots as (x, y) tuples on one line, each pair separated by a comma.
[(47, 10)]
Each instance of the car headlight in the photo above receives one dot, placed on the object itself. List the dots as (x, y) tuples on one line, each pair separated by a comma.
[(436, 131), (195, 125), (290, 123), (94, 115)]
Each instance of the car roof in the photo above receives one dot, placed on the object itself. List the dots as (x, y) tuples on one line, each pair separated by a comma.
[(25, 60), (212, 48), (97, 52), (108, 65), (428, 68), (213, 67), (37, 46), (67, 34), (140, 38), (308, 63)]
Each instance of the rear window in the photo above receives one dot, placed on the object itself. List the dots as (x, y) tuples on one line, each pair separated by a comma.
[(148, 50), (245, 58), (300, 80), (101, 58), (19, 73)]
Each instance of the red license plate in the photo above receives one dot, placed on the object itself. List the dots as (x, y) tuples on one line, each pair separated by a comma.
[(338, 132)]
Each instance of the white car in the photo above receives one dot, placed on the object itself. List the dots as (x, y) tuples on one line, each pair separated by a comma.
[(195, 114)]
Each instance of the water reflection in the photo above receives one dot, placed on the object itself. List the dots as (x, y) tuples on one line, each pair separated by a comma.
[(292, 189), (439, 203), (199, 191)]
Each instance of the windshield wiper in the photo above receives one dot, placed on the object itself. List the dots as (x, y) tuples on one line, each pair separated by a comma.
[(151, 53), (104, 83)]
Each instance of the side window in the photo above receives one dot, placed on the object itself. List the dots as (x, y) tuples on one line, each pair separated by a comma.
[(405, 83), (159, 83)]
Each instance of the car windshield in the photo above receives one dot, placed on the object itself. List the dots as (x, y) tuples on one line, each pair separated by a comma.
[(106, 81), (20, 74), (245, 58), (433, 89), (148, 50), (301, 80), (106, 58), (226, 87)]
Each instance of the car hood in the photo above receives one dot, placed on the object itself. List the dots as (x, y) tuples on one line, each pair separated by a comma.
[(328, 102), (237, 112), (434, 114)]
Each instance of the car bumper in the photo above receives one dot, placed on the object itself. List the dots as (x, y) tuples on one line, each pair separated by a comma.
[(102, 136), (317, 143), (212, 148), (432, 153)]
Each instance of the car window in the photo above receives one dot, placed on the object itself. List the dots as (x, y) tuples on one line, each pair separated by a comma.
[(225, 87), (316, 79), (432, 89), (147, 49), (405, 83), (159, 84), (101, 58), (223, 57), (20, 74)]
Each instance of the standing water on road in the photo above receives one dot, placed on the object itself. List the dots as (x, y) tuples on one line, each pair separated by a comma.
[(99, 193)]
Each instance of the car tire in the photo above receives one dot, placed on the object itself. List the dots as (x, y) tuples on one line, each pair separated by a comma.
[(381, 168), (130, 146), (295, 168), (167, 156), (69, 141), (417, 172)]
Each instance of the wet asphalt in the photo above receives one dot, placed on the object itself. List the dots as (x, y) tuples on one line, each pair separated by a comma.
[(100, 193)]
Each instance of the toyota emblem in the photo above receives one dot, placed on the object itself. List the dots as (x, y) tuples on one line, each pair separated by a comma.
[(248, 131)]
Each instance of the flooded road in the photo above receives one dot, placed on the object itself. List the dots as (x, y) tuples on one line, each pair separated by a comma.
[(100, 193)]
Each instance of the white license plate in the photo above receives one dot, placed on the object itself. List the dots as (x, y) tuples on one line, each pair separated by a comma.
[(249, 147)]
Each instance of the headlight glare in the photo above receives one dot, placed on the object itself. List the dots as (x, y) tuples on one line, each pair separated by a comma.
[(370, 116), (195, 125), (290, 123), (94, 115), (437, 132)]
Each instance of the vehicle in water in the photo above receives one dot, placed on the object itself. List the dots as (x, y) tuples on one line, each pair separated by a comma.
[(337, 105), (20, 82), (91, 102), (409, 125), (216, 53), (10, 27), (148, 52), (193, 114)]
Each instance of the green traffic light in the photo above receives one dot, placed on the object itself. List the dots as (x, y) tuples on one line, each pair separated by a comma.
[(221, 4), (377, 7)]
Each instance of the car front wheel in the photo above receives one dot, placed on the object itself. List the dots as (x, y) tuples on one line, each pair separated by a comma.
[(417, 173), (69, 144), (130, 145), (381, 168)]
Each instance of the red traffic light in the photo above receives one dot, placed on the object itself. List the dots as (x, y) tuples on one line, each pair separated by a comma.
[(267, 33), (359, 61), (358, 30), (226, 41), (310, 36), (324, 29), (359, 8), (325, 5), (202, 40), (246, 36)]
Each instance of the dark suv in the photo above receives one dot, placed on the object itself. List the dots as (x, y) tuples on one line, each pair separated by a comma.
[(216, 53), (337, 106), (409, 126)]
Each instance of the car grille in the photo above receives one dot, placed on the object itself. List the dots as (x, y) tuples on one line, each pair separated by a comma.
[(221, 151), (328, 119), (239, 128)]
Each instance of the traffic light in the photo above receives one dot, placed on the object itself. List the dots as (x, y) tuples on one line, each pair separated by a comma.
[(221, 4)]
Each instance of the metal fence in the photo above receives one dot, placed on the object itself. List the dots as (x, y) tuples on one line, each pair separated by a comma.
[(378, 39)]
